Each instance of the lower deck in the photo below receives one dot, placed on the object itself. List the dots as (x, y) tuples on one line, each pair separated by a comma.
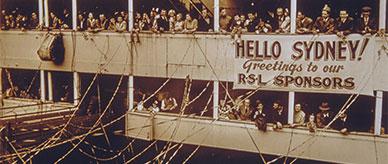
[(324, 145)]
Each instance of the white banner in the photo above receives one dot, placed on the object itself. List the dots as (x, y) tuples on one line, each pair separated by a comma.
[(305, 63)]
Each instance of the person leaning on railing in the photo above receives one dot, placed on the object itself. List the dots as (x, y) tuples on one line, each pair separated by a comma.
[(205, 23), (225, 21), (344, 24), (366, 24), (304, 24), (190, 25), (324, 24), (279, 116), (299, 116)]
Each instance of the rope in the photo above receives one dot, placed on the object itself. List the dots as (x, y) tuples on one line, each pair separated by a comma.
[(44, 144), (103, 113), (14, 149)]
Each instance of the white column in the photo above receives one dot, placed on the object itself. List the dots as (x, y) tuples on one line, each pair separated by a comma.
[(130, 15), (293, 12), (382, 14), (74, 13), (46, 13), (50, 86), (378, 112), (216, 15), (1, 81), (41, 15), (131, 90), (215, 99), (291, 102), (76, 88), (42, 86)]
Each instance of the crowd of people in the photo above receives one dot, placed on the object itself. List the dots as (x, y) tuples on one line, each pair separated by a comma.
[(277, 115), (162, 20)]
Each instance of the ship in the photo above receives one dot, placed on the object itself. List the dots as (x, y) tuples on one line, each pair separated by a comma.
[(61, 86)]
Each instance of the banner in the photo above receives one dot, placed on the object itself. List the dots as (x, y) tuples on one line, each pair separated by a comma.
[(305, 63)]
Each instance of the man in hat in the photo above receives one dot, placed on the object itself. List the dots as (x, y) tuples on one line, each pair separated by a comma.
[(342, 124), (344, 24), (325, 115), (324, 23), (279, 117), (366, 24)]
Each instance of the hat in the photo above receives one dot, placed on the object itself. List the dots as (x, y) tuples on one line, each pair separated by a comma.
[(324, 106), (366, 9), (326, 8)]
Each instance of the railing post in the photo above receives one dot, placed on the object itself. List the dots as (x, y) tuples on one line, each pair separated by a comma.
[(42, 86), (382, 14), (130, 15), (46, 13), (215, 99), (50, 86), (293, 11), (378, 112), (74, 13), (41, 11), (130, 93), (76, 87), (291, 102), (216, 15)]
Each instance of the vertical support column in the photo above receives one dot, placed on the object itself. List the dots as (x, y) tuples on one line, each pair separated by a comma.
[(378, 112), (291, 102), (382, 14), (46, 13), (1, 15), (215, 99), (76, 88), (1, 81), (50, 86), (216, 15), (41, 11), (1, 96), (293, 12), (74, 13), (130, 15), (42, 86), (130, 93)]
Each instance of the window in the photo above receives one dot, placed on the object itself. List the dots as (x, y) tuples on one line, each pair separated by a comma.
[(21, 83)]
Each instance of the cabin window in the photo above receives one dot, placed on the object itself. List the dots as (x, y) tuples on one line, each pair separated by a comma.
[(173, 96), (60, 14), (359, 114), (313, 9), (95, 101), (62, 86), (239, 96), (253, 16), (16, 14), (102, 15), (176, 12), (21, 83)]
